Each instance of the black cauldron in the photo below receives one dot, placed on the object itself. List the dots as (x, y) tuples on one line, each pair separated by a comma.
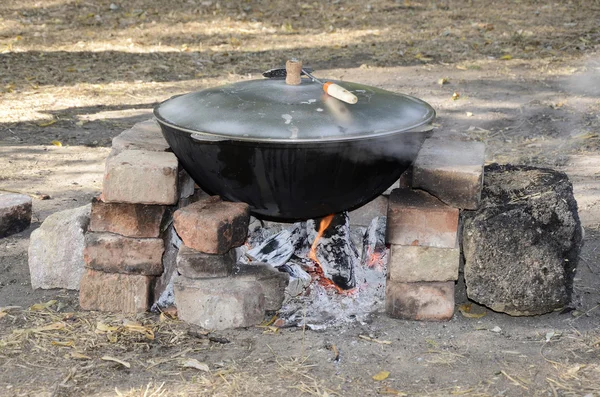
[(293, 152)]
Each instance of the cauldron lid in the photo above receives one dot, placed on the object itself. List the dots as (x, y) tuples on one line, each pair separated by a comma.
[(272, 111)]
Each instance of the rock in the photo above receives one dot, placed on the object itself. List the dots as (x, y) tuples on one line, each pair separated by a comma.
[(131, 220), (15, 213), (521, 247), (451, 170), (56, 249), (213, 226), (141, 177), (113, 253), (272, 281), (163, 285), (417, 218), (145, 135), (113, 292), (363, 216), (410, 264), (219, 303), (196, 264), (429, 301)]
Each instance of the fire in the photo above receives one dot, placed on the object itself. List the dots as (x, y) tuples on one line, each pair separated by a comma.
[(375, 260), (318, 272)]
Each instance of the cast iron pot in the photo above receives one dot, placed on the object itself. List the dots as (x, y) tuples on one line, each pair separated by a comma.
[(293, 152)]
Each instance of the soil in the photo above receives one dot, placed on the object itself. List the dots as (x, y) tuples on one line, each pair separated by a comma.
[(523, 77)]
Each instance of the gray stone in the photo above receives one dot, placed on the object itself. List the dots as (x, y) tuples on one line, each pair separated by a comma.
[(145, 135), (163, 285), (521, 247), (219, 303), (196, 264), (56, 249), (272, 281), (364, 215), (15, 213)]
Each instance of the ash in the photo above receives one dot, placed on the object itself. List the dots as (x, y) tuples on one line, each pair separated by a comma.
[(351, 285)]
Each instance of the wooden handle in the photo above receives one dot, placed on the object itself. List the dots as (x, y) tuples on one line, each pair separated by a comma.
[(293, 70), (339, 92)]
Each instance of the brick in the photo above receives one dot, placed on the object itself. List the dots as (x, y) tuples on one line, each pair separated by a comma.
[(55, 252), (451, 170), (272, 281), (113, 253), (410, 264), (212, 226), (112, 292), (405, 180), (417, 218), (219, 303), (141, 177), (196, 264), (364, 215), (186, 184), (145, 135), (428, 301), (15, 213), (131, 220)]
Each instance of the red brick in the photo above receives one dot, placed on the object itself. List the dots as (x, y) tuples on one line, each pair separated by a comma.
[(131, 220), (219, 303), (417, 218), (113, 253), (141, 177), (429, 301), (15, 213), (212, 226), (196, 264), (451, 170), (145, 135), (410, 264), (111, 292)]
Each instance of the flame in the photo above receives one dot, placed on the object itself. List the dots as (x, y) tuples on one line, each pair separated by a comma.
[(317, 271)]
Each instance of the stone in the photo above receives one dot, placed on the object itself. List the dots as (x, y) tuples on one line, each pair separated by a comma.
[(163, 296), (15, 213), (417, 218), (363, 216), (186, 184), (113, 253), (219, 303), (521, 247), (213, 226), (56, 249), (272, 281), (451, 170), (114, 292), (426, 301), (141, 177), (196, 264), (409, 264), (131, 220), (145, 135)]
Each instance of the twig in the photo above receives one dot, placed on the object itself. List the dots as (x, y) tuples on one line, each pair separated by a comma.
[(513, 380)]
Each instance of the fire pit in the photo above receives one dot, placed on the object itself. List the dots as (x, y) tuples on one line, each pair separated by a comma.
[(291, 151)]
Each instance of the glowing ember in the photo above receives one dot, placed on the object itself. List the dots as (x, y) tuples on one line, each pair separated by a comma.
[(317, 271), (376, 260)]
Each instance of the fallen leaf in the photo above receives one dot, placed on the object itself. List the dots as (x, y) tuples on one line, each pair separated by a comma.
[(42, 306), (2, 314), (116, 360), (193, 363), (466, 309), (46, 123), (443, 81), (136, 327), (57, 143), (101, 327), (51, 327), (381, 375), (68, 343), (455, 96), (506, 57), (469, 114)]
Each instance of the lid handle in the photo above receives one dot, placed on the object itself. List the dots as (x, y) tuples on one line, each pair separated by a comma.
[(293, 69)]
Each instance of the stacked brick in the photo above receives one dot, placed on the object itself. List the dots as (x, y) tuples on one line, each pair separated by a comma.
[(422, 229), (123, 246)]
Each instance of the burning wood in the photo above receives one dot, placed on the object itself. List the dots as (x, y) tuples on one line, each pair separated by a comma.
[(374, 253)]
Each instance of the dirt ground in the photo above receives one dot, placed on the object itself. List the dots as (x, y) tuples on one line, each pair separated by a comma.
[(76, 73)]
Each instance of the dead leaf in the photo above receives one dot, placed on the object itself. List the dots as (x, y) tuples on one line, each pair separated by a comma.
[(193, 363), (455, 96), (42, 306), (57, 143), (136, 327), (101, 327), (67, 344), (506, 57), (51, 327), (46, 123), (443, 81), (466, 311), (116, 360), (381, 375), (469, 114)]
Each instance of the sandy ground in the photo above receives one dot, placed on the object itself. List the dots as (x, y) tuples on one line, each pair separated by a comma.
[(80, 73)]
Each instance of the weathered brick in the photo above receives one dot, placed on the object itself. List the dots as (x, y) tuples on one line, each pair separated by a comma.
[(131, 220), (113, 292), (141, 177), (451, 170), (428, 301), (196, 264), (15, 213), (272, 281), (113, 253), (411, 264), (219, 303), (145, 135), (364, 215), (417, 218), (212, 226)]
